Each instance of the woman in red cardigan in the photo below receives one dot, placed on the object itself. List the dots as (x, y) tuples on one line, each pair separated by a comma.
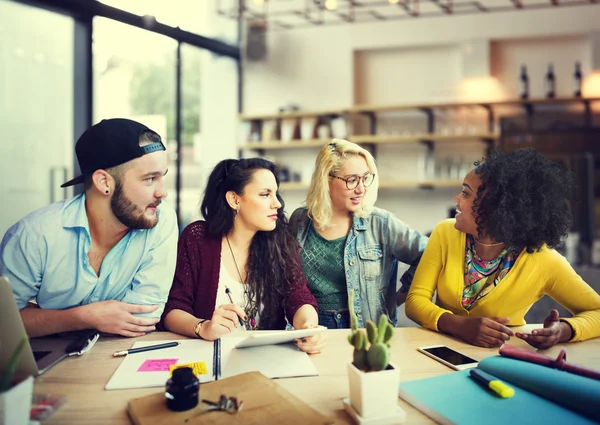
[(241, 266)]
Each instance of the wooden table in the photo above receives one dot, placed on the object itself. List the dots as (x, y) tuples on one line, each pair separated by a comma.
[(82, 379)]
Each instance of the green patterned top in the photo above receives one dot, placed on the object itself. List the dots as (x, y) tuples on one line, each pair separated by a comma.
[(323, 265)]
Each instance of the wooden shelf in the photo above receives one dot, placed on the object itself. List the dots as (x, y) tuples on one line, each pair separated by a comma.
[(382, 139), (292, 114), (357, 109), (369, 139), (518, 102), (278, 144), (543, 101), (390, 184)]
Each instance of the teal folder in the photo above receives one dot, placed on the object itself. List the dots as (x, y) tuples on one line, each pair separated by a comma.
[(455, 398)]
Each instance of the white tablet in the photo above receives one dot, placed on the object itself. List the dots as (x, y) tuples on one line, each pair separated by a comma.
[(277, 337)]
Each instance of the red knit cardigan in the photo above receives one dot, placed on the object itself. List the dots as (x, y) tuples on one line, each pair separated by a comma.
[(196, 280)]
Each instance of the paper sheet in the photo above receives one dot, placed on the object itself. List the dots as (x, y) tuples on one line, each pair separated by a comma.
[(273, 361)]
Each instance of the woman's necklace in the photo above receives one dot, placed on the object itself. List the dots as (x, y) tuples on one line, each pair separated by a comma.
[(234, 262), (488, 244)]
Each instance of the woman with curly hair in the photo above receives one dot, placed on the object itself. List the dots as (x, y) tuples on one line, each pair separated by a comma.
[(347, 245), (492, 262), (242, 253)]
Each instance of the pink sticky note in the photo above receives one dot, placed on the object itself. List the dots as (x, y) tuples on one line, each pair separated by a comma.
[(158, 365)]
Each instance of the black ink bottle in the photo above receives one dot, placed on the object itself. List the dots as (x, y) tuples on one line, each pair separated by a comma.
[(182, 390)]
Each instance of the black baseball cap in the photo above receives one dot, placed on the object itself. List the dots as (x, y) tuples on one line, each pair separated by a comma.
[(110, 143)]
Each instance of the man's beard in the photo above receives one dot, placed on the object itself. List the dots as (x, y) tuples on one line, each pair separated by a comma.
[(128, 213)]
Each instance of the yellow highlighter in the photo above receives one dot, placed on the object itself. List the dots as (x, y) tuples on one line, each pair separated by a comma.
[(488, 381)]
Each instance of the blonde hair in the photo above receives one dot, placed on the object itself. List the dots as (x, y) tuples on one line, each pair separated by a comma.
[(329, 160)]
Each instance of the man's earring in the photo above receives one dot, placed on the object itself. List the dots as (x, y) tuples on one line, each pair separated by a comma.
[(107, 191)]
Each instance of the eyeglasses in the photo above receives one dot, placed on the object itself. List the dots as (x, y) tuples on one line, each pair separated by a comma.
[(353, 180)]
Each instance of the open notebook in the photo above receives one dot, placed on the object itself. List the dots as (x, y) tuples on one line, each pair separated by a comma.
[(542, 396), (151, 368)]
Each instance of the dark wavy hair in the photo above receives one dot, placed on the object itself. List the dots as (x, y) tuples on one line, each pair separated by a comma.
[(272, 254), (524, 199)]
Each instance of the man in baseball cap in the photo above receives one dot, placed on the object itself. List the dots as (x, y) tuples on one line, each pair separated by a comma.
[(104, 259)]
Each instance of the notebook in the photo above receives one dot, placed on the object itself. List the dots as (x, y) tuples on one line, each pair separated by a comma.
[(152, 368), (455, 398)]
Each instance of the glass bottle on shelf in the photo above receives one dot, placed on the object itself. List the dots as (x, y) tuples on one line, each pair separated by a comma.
[(524, 83), (442, 121), (577, 76), (550, 82)]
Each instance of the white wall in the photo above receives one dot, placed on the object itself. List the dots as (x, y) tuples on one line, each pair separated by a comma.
[(219, 101), (36, 109), (417, 61)]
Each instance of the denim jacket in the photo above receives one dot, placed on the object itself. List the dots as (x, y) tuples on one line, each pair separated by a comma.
[(373, 247)]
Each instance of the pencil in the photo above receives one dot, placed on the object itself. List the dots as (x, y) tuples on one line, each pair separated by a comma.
[(142, 349)]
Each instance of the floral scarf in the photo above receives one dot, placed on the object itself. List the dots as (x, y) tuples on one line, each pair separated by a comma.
[(482, 276)]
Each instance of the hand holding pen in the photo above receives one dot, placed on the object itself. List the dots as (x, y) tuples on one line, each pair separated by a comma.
[(224, 320), (228, 292)]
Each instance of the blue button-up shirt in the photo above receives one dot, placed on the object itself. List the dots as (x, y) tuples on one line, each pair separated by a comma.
[(44, 256), (374, 246)]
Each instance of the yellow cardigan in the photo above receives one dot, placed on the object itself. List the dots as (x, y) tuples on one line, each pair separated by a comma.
[(532, 276)]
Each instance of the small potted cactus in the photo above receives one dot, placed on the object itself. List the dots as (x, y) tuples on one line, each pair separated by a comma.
[(373, 380)]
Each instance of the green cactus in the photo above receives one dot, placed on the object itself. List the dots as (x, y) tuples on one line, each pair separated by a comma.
[(377, 356)]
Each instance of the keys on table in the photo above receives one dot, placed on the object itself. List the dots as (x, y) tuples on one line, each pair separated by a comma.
[(225, 404)]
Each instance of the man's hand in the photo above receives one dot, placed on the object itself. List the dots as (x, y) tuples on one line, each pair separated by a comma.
[(118, 318), (484, 331), (223, 321), (312, 344), (553, 332)]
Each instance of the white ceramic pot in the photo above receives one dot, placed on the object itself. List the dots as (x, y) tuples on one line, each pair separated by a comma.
[(374, 394), (15, 404)]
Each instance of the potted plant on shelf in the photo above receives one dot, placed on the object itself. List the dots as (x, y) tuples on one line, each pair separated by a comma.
[(15, 401), (373, 380)]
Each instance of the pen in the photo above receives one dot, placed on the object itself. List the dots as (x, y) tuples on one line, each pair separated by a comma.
[(142, 349), (488, 381), (228, 292)]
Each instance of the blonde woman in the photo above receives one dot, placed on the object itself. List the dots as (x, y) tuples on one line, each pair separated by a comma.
[(348, 245)]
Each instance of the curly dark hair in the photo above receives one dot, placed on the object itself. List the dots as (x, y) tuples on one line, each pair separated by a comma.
[(524, 199), (272, 253)]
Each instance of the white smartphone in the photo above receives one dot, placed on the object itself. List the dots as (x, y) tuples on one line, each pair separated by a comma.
[(449, 357)]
